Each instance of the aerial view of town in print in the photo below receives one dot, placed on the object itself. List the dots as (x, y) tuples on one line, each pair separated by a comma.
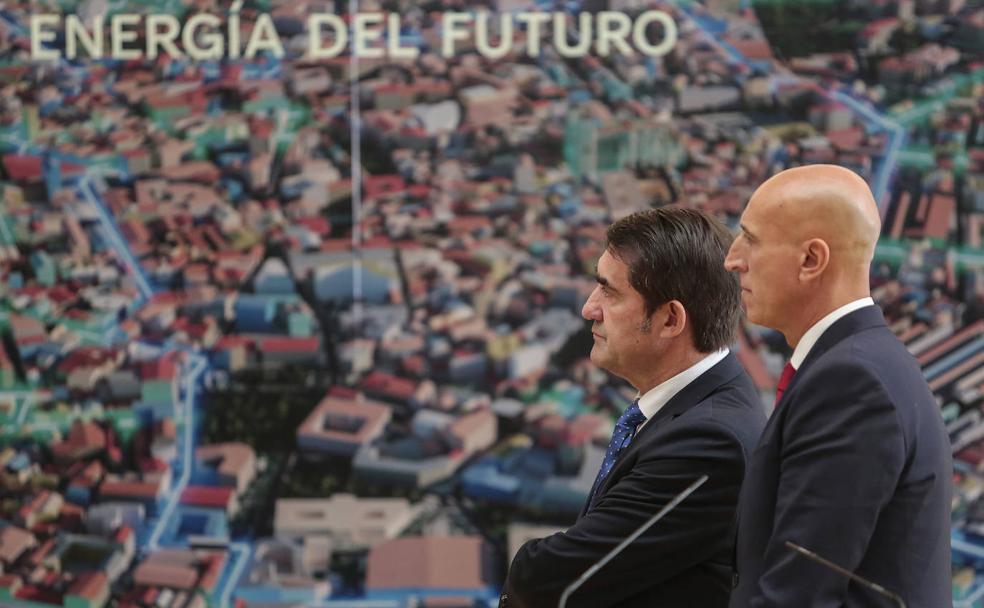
[(279, 331)]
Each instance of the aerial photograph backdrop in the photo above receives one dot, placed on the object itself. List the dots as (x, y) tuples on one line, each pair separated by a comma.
[(290, 291)]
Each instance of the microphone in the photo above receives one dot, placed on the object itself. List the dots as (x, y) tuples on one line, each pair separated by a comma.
[(629, 540), (854, 577)]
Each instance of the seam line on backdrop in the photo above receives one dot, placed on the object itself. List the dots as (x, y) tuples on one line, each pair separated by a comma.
[(356, 172)]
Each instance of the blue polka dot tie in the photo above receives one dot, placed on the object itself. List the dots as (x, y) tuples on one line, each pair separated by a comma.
[(625, 429)]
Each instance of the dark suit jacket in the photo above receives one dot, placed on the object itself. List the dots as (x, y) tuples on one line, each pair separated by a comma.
[(854, 465), (684, 560)]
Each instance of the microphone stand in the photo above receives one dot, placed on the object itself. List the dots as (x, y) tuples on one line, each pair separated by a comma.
[(629, 540), (854, 577)]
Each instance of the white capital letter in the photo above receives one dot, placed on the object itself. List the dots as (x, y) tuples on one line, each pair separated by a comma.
[(450, 32), (120, 35), (393, 48), (39, 36), (75, 33), (533, 23), (669, 33), (156, 38), (362, 35), (315, 50), (264, 37), (482, 36), (583, 35), (213, 40), (613, 29)]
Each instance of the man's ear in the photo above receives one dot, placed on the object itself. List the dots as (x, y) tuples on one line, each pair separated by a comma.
[(814, 259), (675, 321)]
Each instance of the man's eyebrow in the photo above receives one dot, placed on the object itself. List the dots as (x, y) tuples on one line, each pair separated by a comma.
[(748, 232), (604, 282)]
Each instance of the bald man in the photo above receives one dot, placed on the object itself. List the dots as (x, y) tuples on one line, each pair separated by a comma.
[(854, 463)]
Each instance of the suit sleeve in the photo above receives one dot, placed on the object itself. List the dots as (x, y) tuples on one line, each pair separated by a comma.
[(696, 530), (842, 456)]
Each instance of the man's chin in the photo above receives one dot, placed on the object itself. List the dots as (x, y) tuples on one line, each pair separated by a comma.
[(763, 321), (750, 312), (598, 357)]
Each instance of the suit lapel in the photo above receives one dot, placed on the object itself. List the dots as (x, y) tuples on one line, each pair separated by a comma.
[(723, 372), (864, 318)]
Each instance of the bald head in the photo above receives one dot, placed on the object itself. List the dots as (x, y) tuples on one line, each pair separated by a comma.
[(824, 202), (808, 237)]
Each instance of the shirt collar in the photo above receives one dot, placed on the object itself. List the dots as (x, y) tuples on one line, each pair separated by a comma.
[(658, 396), (813, 334)]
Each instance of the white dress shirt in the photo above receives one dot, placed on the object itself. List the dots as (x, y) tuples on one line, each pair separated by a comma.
[(813, 334), (658, 396)]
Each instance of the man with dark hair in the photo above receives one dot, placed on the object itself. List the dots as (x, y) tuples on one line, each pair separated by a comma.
[(663, 314)]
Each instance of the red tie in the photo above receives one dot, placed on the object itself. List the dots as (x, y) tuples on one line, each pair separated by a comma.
[(787, 374)]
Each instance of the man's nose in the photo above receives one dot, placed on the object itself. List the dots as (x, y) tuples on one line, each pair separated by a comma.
[(591, 310), (733, 261)]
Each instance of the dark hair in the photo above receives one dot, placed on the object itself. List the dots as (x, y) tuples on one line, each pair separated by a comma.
[(678, 254)]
